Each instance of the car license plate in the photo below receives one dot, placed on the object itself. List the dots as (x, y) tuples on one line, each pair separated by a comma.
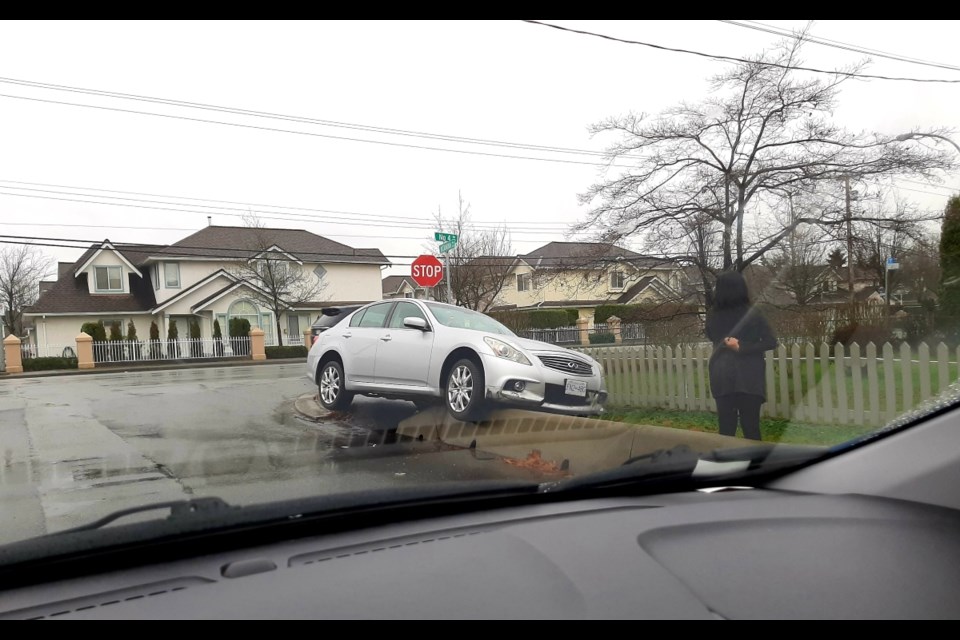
[(576, 388)]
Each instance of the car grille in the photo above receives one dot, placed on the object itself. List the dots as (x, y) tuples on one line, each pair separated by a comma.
[(555, 394), (567, 365)]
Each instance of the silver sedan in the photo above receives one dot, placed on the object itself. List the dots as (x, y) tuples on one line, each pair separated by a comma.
[(427, 352)]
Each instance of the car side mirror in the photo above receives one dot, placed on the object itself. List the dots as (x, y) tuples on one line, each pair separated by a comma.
[(412, 322)]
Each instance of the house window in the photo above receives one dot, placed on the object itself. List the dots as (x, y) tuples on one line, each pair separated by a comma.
[(408, 295), (156, 277), (171, 275), (108, 278), (616, 279), (319, 272), (524, 282)]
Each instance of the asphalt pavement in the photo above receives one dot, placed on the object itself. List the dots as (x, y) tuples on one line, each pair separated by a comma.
[(76, 448)]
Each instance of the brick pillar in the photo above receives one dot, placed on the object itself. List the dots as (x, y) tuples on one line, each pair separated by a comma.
[(307, 338), (614, 323), (584, 332), (256, 344), (84, 351), (11, 350)]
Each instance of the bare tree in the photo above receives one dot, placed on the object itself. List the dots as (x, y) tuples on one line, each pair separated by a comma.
[(764, 130), (894, 235), (799, 265), (22, 267), (480, 263), (278, 280)]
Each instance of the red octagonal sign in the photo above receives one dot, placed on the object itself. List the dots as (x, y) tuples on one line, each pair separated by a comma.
[(426, 271)]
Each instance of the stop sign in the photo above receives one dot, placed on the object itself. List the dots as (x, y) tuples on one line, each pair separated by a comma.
[(426, 271)]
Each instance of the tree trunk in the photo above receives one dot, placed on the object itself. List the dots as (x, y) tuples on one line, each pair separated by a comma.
[(279, 334)]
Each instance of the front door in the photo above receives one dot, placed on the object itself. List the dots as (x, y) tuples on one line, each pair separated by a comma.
[(403, 356), (293, 329)]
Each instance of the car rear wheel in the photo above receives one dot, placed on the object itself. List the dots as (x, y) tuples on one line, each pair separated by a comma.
[(333, 395), (464, 392)]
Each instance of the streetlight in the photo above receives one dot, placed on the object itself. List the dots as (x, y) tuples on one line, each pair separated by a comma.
[(903, 137)]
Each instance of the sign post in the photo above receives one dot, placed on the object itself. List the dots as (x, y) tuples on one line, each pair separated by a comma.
[(891, 265), (449, 241)]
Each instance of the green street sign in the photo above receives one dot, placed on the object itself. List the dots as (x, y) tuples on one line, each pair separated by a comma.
[(446, 246), (445, 237)]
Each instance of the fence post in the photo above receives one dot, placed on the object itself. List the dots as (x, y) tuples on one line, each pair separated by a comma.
[(84, 351), (307, 338), (582, 330), (11, 350), (256, 344), (613, 322)]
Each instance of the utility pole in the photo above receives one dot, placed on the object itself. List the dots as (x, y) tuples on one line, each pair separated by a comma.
[(846, 183)]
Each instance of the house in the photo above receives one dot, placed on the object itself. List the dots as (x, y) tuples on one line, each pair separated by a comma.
[(584, 275), (403, 287), (207, 276)]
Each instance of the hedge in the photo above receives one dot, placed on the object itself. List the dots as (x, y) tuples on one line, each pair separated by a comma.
[(537, 319), (48, 364), (95, 330), (288, 351), (642, 312), (602, 338)]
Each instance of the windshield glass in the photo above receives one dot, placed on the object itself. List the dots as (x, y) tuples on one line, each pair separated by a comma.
[(460, 318), (732, 239)]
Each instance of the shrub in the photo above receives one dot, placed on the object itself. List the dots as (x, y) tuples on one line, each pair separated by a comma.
[(49, 364), (537, 319), (217, 339), (860, 334), (131, 331), (155, 351), (602, 338), (239, 329), (173, 346), (294, 351), (196, 347), (95, 330)]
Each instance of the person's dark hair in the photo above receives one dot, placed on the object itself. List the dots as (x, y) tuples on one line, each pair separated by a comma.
[(730, 292)]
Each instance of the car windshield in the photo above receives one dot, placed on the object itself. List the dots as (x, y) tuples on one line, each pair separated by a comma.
[(559, 249), (460, 318)]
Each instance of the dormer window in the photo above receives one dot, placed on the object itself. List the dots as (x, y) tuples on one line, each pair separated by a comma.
[(171, 275), (108, 279)]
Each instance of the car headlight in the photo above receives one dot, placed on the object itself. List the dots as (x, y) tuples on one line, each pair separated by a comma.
[(503, 350)]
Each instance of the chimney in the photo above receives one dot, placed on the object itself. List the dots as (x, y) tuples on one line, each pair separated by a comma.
[(209, 221)]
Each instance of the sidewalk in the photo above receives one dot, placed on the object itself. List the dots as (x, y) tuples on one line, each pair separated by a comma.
[(154, 366)]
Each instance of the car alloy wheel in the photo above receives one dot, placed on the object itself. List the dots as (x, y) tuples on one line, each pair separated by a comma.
[(460, 389), (329, 385)]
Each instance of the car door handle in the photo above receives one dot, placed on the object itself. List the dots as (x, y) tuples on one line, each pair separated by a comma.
[(347, 335), (386, 338)]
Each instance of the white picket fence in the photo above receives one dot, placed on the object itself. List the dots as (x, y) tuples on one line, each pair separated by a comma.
[(176, 349), (29, 350), (805, 383)]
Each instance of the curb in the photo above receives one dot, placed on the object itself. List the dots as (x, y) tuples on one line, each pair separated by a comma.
[(137, 369)]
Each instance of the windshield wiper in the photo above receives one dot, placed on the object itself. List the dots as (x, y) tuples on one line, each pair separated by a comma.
[(681, 463), (179, 510)]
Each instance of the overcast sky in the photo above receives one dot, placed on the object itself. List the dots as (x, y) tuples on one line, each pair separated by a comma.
[(500, 81)]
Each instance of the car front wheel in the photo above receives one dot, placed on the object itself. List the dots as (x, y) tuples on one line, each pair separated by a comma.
[(333, 395), (464, 392)]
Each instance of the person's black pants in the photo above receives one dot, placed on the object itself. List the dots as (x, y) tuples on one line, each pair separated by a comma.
[(742, 406)]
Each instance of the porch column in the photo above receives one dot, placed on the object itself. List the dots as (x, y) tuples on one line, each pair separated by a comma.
[(256, 344), (11, 351), (84, 351)]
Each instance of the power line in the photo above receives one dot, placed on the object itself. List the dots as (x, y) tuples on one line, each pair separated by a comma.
[(293, 118), (759, 26), (391, 216), (308, 133), (848, 74), (302, 219)]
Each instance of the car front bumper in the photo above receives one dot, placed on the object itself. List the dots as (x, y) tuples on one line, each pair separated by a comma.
[(544, 387)]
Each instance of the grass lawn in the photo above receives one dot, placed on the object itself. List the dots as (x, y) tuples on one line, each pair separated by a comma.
[(771, 429)]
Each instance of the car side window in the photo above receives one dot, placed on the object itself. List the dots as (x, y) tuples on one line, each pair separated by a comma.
[(376, 315), (404, 310), (357, 317)]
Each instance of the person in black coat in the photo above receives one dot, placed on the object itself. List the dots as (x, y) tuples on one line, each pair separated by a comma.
[(740, 336)]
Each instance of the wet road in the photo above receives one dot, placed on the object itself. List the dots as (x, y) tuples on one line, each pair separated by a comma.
[(75, 448)]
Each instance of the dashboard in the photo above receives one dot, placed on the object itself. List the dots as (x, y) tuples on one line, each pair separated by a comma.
[(721, 554)]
